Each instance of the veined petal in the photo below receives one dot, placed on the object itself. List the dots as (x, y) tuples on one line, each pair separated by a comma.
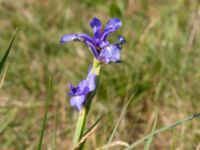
[(77, 101), (96, 27), (85, 38), (77, 37), (112, 25), (81, 37), (110, 54)]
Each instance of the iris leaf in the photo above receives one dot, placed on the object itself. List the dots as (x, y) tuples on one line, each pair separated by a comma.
[(3, 60)]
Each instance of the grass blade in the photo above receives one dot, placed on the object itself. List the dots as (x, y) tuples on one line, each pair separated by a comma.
[(118, 121), (94, 125), (45, 115), (3, 60), (4, 75), (148, 143), (157, 132)]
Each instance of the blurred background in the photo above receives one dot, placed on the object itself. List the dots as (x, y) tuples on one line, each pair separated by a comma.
[(161, 69)]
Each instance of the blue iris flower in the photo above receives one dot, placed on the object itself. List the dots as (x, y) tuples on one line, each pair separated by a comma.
[(80, 91), (102, 50)]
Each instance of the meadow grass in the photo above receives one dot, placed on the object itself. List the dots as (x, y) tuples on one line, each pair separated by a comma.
[(160, 68)]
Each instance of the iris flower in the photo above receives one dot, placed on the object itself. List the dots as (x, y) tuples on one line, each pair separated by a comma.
[(102, 50), (80, 91)]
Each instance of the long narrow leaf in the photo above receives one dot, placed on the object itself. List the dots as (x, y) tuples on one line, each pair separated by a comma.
[(157, 132), (45, 115), (118, 121), (148, 143), (4, 75), (94, 125), (3, 60)]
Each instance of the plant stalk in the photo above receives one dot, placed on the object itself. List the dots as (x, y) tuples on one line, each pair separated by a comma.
[(83, 114)]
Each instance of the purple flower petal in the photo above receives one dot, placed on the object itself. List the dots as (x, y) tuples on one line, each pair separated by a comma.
[(77, 101), (112, 25), (85, 38), (73, 90), (90, 70), (80, 92), (91, 82), (93, 49), (81, 37), (110, 54), (68, 37), (103, 44), (96, 27), (77, 37), (83, 87), (99, 43)]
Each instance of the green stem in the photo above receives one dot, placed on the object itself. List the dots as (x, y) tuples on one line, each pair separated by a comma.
[(80, 125), (83, 114)]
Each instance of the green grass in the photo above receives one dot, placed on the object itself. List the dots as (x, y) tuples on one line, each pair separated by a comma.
[(45, 115), (160, 66)]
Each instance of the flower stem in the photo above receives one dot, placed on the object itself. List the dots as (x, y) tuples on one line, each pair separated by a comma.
[(83, 114), (80, 125)]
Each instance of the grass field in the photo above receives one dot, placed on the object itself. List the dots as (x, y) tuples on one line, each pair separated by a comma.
[(161, 69)]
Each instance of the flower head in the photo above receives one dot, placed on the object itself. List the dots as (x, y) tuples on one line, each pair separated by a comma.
[(80, 91), (102, 49)]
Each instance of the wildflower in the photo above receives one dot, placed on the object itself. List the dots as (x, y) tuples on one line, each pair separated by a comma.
[(102, 50), (80, 91)]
